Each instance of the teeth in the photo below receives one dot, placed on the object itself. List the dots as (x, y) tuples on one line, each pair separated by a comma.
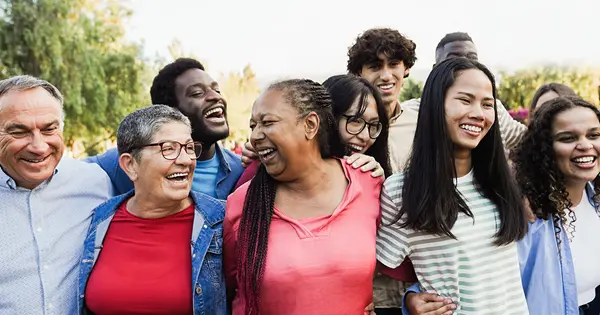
[(177, 175), (356, 147), (471, 128), (386, 86), (265, 151), (584, 159), (34, 161), (218, 110)]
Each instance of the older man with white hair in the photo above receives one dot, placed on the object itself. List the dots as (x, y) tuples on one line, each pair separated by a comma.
[(46, 201)]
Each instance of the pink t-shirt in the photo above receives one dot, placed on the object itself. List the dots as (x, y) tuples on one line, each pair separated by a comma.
[(321, 265)]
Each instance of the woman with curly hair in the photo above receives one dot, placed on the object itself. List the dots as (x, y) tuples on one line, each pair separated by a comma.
[(557, 169)]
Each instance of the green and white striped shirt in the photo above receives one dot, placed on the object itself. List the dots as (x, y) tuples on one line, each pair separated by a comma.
[(480, 277)]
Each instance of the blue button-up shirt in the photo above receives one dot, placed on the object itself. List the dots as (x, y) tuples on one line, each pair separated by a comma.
[(41, 237), (549, 280)]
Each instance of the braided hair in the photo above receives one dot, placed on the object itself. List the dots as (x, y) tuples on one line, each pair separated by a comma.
[(307, 97), (536, 170)]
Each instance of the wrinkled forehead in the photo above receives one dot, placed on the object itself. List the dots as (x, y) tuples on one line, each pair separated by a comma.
[(459, 49), (36, 104), (194, 77)]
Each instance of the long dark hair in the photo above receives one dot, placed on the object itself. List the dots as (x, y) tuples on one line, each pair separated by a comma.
[(253, 235), (537, 173), (558, 88), (430, 200), (344, 90)]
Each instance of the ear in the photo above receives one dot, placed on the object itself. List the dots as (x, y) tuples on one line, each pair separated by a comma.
[(129, 165), (311, 125), (406, 72)]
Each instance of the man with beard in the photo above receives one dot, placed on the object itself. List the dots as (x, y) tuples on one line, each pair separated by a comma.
[(184, 85)]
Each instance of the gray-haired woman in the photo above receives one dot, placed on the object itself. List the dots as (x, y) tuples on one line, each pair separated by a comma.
[(156, 249)]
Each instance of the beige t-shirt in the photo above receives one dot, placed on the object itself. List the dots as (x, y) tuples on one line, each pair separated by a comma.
[(402, 132), (387, 292)]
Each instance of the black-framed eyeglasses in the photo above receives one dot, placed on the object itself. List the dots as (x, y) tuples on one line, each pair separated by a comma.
[(172, 149), (355, 125)]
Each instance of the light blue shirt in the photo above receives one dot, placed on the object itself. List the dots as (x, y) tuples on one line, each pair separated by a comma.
[(205, 176), (41, 237)]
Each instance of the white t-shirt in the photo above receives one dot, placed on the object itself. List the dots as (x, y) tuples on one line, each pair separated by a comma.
[(585, 249)]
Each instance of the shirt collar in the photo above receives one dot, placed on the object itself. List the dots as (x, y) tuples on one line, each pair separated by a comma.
[(221, 156), (9, 182), (397, 112), (589, 189)]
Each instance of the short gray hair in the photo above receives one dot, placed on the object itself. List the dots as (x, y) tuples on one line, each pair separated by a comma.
[(27, 82), (138, 128)]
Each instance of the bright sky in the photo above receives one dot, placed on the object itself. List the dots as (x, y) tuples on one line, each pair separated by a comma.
[(284, 38)]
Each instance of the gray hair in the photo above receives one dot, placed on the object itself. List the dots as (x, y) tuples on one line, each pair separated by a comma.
[(138, 128), (27, 82)]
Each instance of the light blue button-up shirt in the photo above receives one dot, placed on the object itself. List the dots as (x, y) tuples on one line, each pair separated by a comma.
[(41, 237)]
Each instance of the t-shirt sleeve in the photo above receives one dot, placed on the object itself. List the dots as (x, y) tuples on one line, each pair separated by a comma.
[(392, 241)]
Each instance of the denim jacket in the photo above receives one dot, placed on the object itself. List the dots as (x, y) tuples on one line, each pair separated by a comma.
[(230, 170), (546, 292), (208, 281)]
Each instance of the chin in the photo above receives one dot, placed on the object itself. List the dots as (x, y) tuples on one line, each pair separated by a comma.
[(178, 195)]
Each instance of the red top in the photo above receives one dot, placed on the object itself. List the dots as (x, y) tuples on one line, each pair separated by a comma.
[(145, 266), (405, 272), (317, 265)]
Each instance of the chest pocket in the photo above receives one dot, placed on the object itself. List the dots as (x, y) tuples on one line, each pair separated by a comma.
[(216, 243)]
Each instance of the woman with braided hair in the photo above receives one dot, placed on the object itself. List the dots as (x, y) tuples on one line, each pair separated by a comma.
[(557, 169), (300, 237)]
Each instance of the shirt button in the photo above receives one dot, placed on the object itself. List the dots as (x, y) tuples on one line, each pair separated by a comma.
[(50, 306), (39, 229), (198, 290), (205, 226), (46, 267)]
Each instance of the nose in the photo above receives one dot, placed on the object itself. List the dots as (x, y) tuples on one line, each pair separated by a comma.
[(256, 134), (38, 144), (214, 96), (184, 158), (584, 145), (386, 73), (476, 111), (364, 134)]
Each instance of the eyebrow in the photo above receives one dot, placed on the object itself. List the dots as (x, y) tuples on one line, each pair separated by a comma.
[(263, 115), (473, 96), (570, 132), (197, 85), (212, 85), (19, 126)]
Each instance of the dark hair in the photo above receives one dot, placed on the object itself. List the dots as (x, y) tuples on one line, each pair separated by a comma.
[(430, 200), (558, 88), (306, 96), (163, 86), (534, 161), (453, 37), (380, 41), (344, 90)]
